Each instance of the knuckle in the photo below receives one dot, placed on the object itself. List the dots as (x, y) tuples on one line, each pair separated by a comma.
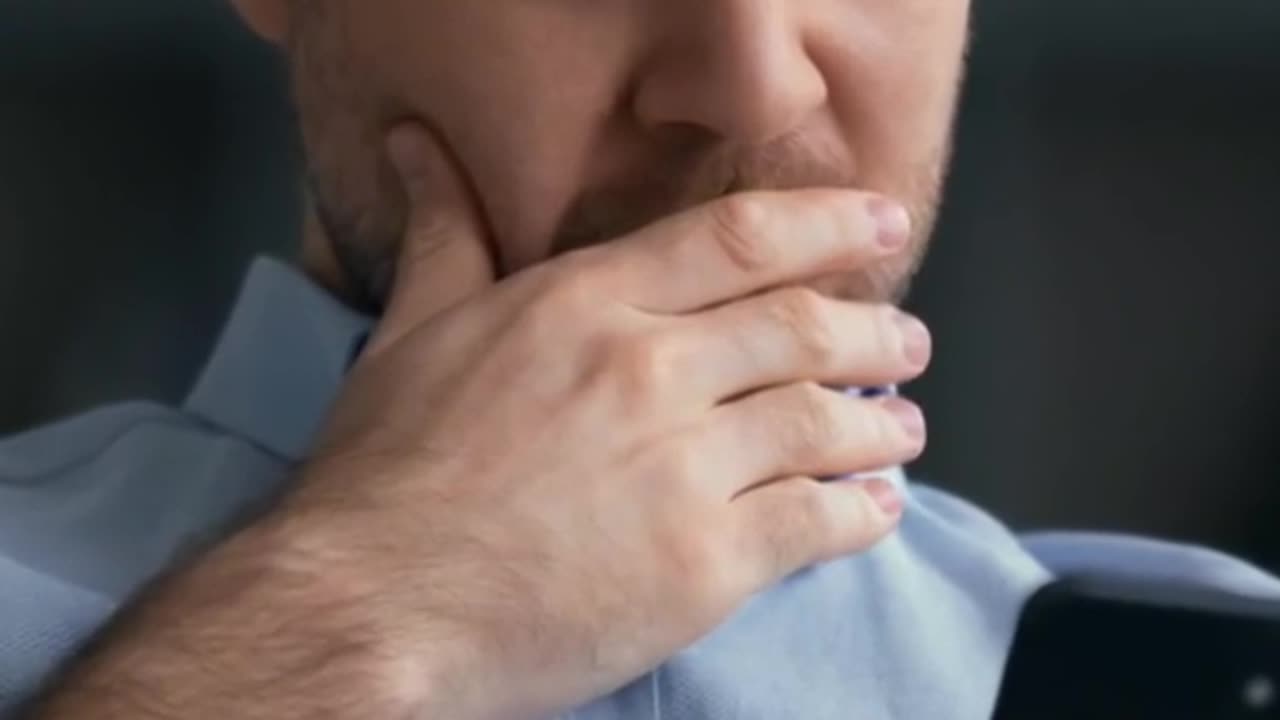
[(889, 337), (587, 263), (568, 285), (818, 423), (804, 314), (644, 365), (740, 230), (561, 295), (793, 525), (802, 513), (853, 525), (698, 565), (868, 429), (574, 279), (821, 525)]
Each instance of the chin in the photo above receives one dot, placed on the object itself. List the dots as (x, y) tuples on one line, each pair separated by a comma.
[(886, 283)]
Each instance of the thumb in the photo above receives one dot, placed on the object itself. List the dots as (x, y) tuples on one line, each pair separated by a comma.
[(445, 255)]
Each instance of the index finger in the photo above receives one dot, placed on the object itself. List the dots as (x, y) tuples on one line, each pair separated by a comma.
[(748, 242)]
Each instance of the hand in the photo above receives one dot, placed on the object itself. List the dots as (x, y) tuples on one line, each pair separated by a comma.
[(551, 483)]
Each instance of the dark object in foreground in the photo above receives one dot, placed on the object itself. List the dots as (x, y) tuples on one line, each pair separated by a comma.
[(1092, 648)]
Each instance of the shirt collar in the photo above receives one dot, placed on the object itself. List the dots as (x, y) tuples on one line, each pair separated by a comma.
[(280, 360)]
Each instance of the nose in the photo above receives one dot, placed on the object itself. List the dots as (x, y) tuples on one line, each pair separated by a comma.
[(738, 69)]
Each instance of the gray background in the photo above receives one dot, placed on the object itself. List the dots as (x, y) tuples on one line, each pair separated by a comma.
[(1102, 288)]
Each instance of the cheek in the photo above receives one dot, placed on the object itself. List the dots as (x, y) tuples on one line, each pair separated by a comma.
[(526, 176), (521, 114), (895, 70), (337, 112)]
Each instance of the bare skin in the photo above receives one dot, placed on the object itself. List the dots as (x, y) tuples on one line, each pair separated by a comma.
[(455, 552), (575, 124), (685, 245)]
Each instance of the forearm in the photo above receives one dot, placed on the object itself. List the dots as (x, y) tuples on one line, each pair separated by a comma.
[(264, 626)]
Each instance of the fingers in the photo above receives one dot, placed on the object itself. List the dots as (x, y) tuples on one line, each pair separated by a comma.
[(794, 523), (445, 257), (796, 334), (748, 242), (805, 429)]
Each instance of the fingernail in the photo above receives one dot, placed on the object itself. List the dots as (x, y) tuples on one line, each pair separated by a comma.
[(917, 344), (908, 415), (892, 222), (884, 494)]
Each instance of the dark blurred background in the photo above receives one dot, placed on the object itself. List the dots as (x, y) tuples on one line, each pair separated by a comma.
[(1102, 287)]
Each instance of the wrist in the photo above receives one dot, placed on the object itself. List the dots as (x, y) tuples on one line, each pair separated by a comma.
[(347, 590)]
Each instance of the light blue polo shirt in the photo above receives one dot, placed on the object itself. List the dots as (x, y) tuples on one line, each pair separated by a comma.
[(917, 629)]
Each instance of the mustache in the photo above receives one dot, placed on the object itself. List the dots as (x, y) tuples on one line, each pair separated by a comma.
[(684, 178)]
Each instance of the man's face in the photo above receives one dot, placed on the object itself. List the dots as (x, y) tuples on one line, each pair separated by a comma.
[(576, 121)]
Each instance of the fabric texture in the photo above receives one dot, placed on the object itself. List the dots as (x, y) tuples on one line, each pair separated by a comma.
[(919, 628)]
